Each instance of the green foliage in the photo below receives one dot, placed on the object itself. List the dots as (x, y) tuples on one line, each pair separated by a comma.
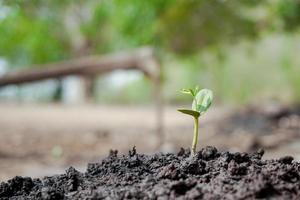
[(193, 113), (115, 25), (191, 91), (40, 30), (202, 100), (289, 13), (198, 34), (27, 37), (192, 25)]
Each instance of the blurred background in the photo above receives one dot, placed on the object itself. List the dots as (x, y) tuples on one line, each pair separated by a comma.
[(78, 78)]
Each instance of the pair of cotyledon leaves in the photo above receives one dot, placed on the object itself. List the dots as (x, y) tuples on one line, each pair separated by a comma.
[(202, 101)]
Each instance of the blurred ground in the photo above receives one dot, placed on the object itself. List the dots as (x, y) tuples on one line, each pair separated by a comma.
[(38, 140)]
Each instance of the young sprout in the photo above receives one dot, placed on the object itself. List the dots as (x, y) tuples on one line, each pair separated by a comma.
[(202, 100)]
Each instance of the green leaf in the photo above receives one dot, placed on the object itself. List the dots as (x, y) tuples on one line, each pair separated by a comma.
[(190, 112), (202, 101), (188, 91)]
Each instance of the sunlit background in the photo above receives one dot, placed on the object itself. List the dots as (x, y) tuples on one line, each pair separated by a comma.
[(247, 52)]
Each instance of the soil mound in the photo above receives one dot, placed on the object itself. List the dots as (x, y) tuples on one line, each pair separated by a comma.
[(210, 174)]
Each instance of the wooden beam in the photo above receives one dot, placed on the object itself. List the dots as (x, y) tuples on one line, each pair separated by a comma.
[(79, 66)]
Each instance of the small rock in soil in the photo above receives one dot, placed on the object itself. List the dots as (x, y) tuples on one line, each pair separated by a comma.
[(210, 174)]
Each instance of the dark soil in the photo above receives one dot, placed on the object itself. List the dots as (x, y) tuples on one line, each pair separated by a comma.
[(211, 174), (261, 122)]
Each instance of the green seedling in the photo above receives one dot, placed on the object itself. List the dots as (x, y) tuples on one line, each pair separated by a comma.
[(202, 100)]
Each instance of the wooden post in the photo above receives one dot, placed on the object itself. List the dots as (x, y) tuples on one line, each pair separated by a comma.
[(150, 65), (89, 87), (58, 93), (158, 98)]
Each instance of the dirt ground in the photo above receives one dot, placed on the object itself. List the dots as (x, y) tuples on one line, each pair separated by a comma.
[(39, 140), (209, 174)]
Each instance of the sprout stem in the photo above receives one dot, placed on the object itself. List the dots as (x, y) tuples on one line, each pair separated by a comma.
[(195, 138)]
